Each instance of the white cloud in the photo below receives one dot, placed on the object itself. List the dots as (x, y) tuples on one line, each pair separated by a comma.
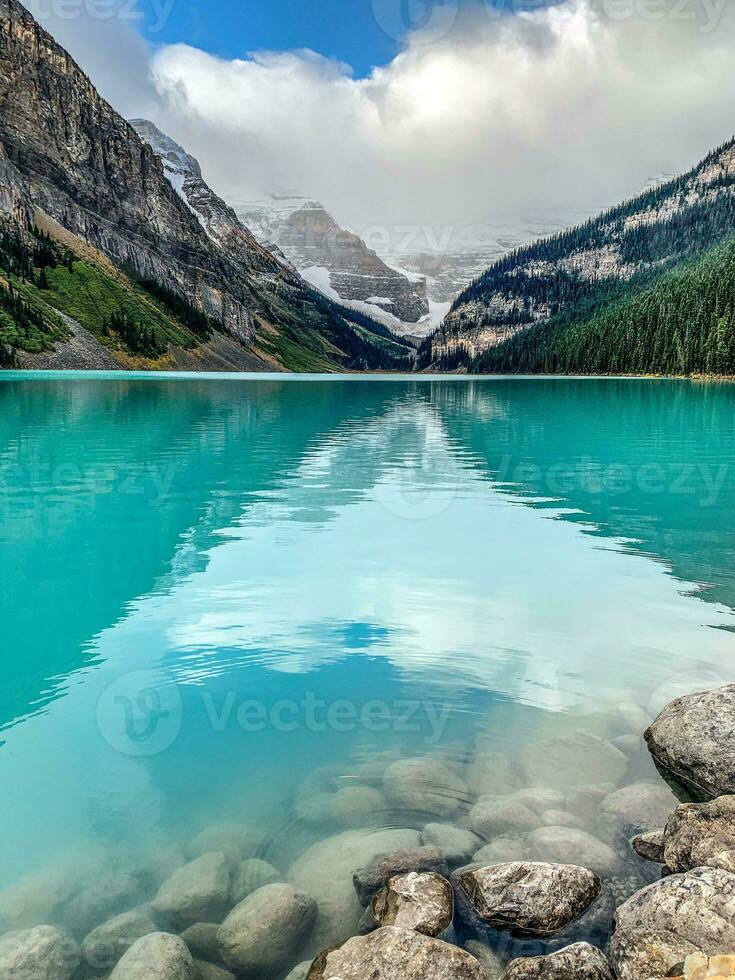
[(500, 118), (566, 108)]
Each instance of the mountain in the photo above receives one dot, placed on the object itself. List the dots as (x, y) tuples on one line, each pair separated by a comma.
[(555, 305), (103, 253), (334, 260)]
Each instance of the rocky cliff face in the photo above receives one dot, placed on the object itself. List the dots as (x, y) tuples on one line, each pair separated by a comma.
[(669, 221), (332, 258)]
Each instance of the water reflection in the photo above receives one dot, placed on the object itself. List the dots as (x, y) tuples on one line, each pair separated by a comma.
[(222, 588)]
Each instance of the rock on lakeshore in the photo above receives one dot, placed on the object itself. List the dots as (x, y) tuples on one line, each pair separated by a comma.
[(693, 739), (422, 902), (369, 880), (396, 954), (699, 835), (578, 962), (661, 925), (530, 899)]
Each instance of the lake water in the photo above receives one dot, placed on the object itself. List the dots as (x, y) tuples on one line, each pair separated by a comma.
[(226, 600)]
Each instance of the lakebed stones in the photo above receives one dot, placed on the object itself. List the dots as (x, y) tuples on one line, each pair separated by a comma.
[(41, 953), (422, 902), (492, 965), (456, 844), (503, 850), (578, 962), (396, 954), (574, 760), (34, 899), (491, 774), (693, 740), (530, 899), (159, 956), (300, 972), (264, 931), (674, 918), (202, 941), (197, 892), (425, 785), (699, 835), (106, 944), (567, 845), (208, 971), (369, 880), (325, 872)]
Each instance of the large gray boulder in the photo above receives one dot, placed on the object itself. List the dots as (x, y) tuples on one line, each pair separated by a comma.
[(530, 899), (661, 925), (699, 835), (637, 809), (106, 944), (578, 962), (422, 902), (159, 956), (326, 871), (41, 953), (567, 845), (425, 785), (693, 740), (396, 954), (573, 760), (369, 880), (197, 892), (359, 806), (262, 934)]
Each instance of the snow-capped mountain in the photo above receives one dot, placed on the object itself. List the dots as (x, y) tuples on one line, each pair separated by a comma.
[(334, 260)]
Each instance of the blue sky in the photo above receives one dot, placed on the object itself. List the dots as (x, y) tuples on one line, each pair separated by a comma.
[(361, 33)]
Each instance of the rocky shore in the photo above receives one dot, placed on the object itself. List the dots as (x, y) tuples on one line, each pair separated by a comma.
[(454, 866)]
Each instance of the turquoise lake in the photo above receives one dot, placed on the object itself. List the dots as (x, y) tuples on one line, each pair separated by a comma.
[(225, 600)]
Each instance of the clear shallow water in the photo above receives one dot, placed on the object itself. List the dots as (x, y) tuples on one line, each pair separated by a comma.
[(215, 590)]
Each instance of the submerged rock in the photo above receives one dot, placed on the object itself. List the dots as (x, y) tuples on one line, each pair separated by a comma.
[(202, 942), (637, 809), (422, 902), (369, 880), (503, 850), (491, 774), (456, 844), (699, 835), (566, 845), (326, 870), (301, 971), (492, 965), (359, 806), (530, 899), (573, 760), (425, 785), (262, 934), (661, 925), (693, 739), (395, 954), (106, 944), (198, 892), (33, 899), (237, 841), (578, 962), (159, 956), (493, 818), (251, 875), (41, 953), (104, 897), (208, 971), (539, 798), (650, 847)]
